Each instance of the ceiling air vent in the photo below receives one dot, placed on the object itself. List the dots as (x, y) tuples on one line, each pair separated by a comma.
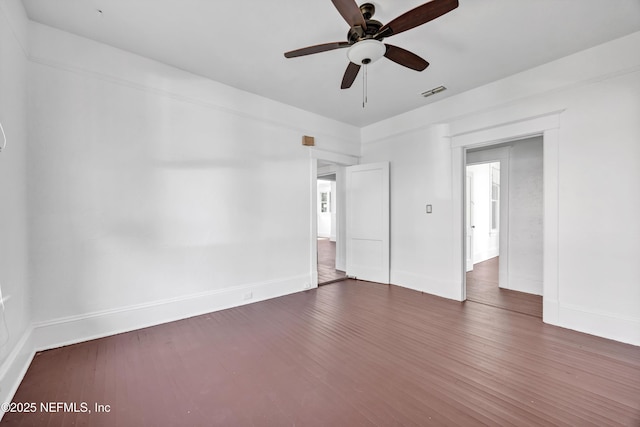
[(433, 91)]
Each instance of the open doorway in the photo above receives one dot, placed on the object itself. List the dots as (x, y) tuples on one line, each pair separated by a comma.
[(362, 228), (327, 225), (483, 213), (503, 225)]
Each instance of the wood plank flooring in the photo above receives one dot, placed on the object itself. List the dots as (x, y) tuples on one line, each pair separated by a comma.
[(482, 287), (327, 272), (347, 354)]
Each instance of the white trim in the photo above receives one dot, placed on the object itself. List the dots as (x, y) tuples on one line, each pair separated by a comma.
[(313, 214), (604, 324), (333, 157), (551, 213), (16, 13), (421, 283), (546, 125), (209, 104), (316, 154), (458, 180), (524, 284), (74, 329), (508, 131), (14, 367)]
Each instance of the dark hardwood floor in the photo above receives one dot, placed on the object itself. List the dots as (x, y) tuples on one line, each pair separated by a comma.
[(327, 272), (347, 354), (482, 287)]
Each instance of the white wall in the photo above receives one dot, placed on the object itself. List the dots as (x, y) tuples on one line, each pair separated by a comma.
[(158, 194), (14, 274), (526, 216), (421, 247), (152, 194), (598, 91)]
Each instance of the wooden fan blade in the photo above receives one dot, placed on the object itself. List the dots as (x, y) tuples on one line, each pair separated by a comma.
[(316, 49), (418, 16), (350, 12), (350, 75), (405, 58)]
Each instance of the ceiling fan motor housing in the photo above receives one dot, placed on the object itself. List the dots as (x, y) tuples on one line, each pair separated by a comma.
[(358, 33)]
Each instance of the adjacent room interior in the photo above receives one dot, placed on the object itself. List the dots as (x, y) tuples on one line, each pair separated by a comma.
[(327, 225), (504, 225), (178, 178)]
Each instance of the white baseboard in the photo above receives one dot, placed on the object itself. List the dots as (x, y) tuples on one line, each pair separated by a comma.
[(75, 329), (550, 309), (71, 330), (606, 325), (14, 368), (484, 256), (428, 285), (523, 284)]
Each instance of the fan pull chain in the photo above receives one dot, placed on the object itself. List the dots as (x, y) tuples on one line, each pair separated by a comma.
[(364, 87)]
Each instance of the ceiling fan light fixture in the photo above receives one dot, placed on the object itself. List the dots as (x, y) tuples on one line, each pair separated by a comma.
[(366, 51)]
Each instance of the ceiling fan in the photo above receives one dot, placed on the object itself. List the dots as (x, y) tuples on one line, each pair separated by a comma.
[(364, 39)]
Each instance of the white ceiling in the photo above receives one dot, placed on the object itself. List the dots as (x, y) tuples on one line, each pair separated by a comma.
[(242, 44)]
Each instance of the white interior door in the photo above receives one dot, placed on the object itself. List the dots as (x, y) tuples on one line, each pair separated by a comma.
[(368, 222), (469, 219)]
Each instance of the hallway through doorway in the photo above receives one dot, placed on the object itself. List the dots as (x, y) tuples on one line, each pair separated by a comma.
[(482, 287), (327, 272)]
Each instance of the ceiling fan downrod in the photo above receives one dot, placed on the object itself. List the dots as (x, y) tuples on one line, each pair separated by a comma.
[(364, 85), (370, 29)]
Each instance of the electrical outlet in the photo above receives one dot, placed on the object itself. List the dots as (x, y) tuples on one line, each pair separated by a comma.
[(248, 295)]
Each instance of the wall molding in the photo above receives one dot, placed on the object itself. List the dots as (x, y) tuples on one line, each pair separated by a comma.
[(333, 157), (546, 125), (74, 329), (524, 284), (494, 107), (600, 323), (99, 324), (425, 284), (508, 131), (15, 366), (21, 39), (199, 102)]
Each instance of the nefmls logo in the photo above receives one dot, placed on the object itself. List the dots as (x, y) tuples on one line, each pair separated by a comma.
[(64, 407)]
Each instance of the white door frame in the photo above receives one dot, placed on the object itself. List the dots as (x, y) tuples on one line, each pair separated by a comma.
[(339, 159), (468, 220), (548, 126)]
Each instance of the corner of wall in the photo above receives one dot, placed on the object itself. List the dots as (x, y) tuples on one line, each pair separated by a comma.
[(14, 244), (17, 21), (14, 368)]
